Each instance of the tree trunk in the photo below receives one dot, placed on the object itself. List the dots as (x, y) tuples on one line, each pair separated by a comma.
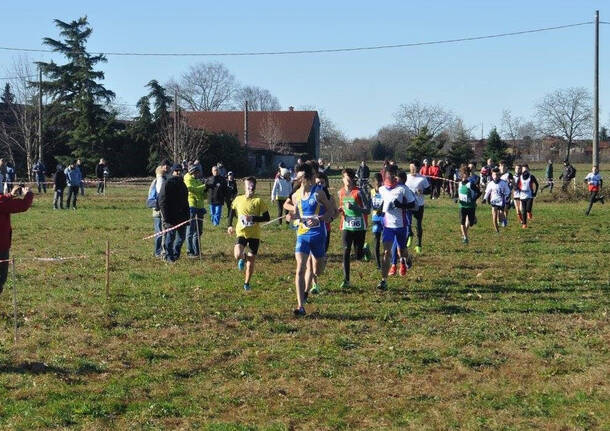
[(28, 164), (568, 150)]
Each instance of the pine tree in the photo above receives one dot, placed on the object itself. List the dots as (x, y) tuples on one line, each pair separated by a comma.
[(7, 96), (78, 97), (461, 151), (158, 120), (422, 146), (496, 149)]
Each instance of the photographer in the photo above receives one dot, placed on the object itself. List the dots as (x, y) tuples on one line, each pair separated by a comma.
[(10, 204)]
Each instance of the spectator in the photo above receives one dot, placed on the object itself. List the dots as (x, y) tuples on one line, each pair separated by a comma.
[(222, 171), (174, 207), (217, 187), (3, 179), (74, 180), (59, 184), (9, 178), (281, 191), (153, 202), (435, 172), (81, 168), (39, 171), (548, 173), (425, 169), (321, 167), (568, 174), (196, 197), (231, 191), (363, 173), (101, 172), (10, 204)]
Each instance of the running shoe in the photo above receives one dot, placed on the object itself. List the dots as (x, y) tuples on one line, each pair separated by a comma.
[(382, 285), (246, 286), (603, 199), (345, 284), (298, 312), (392, 270), (409, 241), (418, 249), (403, 269), (465, 240), (241, 264), (367, 252), (314, 288)]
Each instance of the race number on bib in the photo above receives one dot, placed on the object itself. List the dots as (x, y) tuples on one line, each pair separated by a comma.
[(464, 197), (245, 222), (353, 222)]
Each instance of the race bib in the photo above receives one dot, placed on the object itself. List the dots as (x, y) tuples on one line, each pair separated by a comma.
[(464, 197), (353, 222), (377, 202), (310, 222), (244, 221), (497, 201)]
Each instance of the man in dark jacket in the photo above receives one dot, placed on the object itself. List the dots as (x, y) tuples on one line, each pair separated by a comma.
[(217, 187), (59, 184), (231, 191), (174, 207), (101, 172), (567, 175), (10, 204)]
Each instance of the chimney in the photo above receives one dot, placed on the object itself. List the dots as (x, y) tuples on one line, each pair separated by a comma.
[(291, 108)]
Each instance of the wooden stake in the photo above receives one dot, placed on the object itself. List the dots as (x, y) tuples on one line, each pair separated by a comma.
[(107, 269), (14, 304)]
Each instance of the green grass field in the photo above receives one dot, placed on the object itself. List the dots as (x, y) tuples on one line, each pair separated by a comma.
[(510, 332)]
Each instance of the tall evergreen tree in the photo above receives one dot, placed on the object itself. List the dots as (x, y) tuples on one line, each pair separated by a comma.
[(496, 148), (7, 96), (461, 151), (78, 97), (159, 119), (422, 146)]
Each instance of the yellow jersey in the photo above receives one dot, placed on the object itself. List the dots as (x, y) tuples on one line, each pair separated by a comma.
[(244, 206)]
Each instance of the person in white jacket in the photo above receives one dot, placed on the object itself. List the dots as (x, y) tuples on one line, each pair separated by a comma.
[(281, 191), (497, 194)]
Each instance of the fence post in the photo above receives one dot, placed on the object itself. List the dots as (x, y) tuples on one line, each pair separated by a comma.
[(574, 182), (107, 269), (14, 303), (198, 234)]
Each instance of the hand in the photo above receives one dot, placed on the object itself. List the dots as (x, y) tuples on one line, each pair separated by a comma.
[(289, 217), (15, 191), (230, 230)]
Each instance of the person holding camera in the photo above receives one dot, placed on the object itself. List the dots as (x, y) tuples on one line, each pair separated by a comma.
[(10, 204)]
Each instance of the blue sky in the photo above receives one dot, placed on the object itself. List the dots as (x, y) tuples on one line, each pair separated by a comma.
[(359, 91)]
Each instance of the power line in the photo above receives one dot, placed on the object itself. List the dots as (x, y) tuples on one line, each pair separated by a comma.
[(318, 51)]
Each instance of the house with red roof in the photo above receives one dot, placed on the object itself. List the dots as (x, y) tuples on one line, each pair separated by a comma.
[(270, 137)]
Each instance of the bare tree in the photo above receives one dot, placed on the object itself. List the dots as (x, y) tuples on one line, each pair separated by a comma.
[(271, 134), (413, 117), (190, 143), (18, 127), (205, 87), (566, 113), (332, 139), (259, 99), (510, 128)]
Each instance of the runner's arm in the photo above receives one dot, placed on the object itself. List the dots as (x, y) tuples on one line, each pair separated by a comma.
[(263, 218)]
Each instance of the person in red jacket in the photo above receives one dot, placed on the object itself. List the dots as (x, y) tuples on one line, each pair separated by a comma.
[(425, 168), (10, 204), (435, 172)]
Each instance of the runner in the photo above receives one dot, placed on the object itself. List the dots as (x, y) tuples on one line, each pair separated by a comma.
[(377, 218), (396, 200), (354, 208), (468, 192), (419, 185), (517, 193), (497, 194), (527, 185), (402, 181), (595, 181), (250, 211), (312, 208), (505, 175)]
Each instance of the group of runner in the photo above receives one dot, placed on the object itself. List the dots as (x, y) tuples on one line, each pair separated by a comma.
[(394, 200)]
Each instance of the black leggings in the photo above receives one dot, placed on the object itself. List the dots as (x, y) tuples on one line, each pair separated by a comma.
[(419, 218), (378, 248), (280, 209), (352, 237), (592, 199), (526, 208)]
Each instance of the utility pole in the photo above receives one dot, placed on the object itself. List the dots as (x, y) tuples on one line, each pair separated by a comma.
[(175, 126), (39, 113), (246, 128), (595, 154)]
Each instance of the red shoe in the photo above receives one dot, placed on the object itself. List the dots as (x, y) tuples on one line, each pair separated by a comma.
[(530, 216), (392, 270), (523, 226), (403, 269)]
